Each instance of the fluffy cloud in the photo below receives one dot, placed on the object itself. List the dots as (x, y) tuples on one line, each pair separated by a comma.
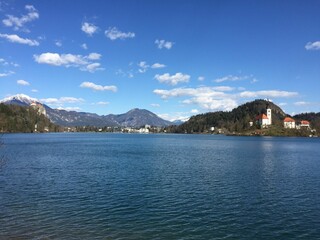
[(217, 98), (94, 56), (173, 79), (23, 83), (61, 100), (84, 46), (143, 66), (18, 22), (16, 39), (201, 78), (89, 28), (92, 67), (76, 109), (114, 34), (231, 78), (6, 74), (313, 45), (102, 103), (96, 87), (267, 94), (163, 44), (155, 105), (58, 43), (157, 65), (302, 103), (70, 60)]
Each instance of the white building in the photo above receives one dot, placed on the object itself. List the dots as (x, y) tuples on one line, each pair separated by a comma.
[(265, 120), (289, 123)]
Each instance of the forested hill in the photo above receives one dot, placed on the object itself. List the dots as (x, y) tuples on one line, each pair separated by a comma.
[(14, 118), (236, 120), (313, 118)]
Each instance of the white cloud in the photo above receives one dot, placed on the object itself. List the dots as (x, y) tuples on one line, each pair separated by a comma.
[(84, 46), (58, 43), (61, 100), (18, 23), (302, 103), (89, 28), (283, 104), (177, 116), (70, 60), (94, 56), (155, 105), (158, 65), (205, 97), (173, 79), (163, 44), (23, 83), (6, 63), (34, 90), (143, 66), (313, 45), (16, 39), (231, 78), (114, 34), (96, 87), (201, 78), (102, 103), (76, 109), (194, 111), (6, 74), (92, 67), (268, 94), (223, 88)]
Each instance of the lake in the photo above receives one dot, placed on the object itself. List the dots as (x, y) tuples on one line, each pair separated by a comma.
[(131, 186)]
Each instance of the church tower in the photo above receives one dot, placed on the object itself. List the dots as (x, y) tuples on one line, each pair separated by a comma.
[(269, 114)]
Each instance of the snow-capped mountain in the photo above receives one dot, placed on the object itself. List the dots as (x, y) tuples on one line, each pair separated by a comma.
[(19, 99), (133, 118)]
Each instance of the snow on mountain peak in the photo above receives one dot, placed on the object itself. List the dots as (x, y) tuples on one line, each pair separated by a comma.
[(20, 97)]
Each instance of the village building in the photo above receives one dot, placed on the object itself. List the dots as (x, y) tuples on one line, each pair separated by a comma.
[(289, 122), (264, 120), (303, 124)]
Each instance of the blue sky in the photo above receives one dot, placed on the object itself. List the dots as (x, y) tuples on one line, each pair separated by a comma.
[(176, 58)]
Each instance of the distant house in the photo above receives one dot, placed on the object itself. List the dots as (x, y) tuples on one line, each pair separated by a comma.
[(303, 124), (262, 120), (289, 122)]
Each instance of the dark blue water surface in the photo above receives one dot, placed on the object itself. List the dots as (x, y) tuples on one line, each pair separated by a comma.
[(131, 186)]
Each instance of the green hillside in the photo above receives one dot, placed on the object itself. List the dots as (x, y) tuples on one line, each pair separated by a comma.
[(14, 118), (238, 121)]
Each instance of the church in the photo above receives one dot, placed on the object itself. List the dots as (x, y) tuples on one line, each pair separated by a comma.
[(264, 120)]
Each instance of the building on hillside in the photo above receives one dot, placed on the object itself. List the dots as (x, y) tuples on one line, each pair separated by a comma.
[(264, 120), (39, 108), (303, 124), (289, 122)]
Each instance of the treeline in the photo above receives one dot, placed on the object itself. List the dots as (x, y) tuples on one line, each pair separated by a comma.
[(14, 118)]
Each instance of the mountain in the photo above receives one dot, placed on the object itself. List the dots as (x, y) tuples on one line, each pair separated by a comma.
[(237, 120), (19, 99), (133, 118)]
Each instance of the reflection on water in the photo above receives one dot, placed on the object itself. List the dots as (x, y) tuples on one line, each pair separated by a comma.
[(122, 186)]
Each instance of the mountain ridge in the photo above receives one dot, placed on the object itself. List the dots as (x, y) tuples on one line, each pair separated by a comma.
[(133, 118)]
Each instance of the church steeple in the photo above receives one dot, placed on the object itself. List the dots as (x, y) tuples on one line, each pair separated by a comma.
[(269, 114)]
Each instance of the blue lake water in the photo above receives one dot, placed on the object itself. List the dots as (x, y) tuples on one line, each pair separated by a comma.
[(131, 186)]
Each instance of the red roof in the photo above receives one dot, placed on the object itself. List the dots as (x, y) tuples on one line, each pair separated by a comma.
[(262, 116), (305, 122), (288, 119)]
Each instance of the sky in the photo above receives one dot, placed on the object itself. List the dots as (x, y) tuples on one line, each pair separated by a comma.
[(176, 58)]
